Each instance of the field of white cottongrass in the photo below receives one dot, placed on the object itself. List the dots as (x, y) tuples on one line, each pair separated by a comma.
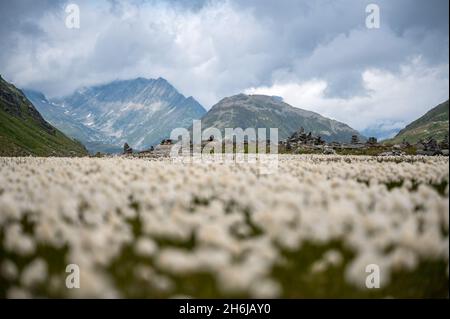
[(157, 229)]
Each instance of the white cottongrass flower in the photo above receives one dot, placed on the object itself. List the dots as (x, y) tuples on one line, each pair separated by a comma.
[(265, 288), (222, 219), (9, 269), (18, 293), (34, 273), (333, 257), (18, 242), (145, 247)]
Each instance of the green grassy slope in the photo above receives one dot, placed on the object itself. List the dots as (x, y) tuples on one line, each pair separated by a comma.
[(24, 132), (433, 124)]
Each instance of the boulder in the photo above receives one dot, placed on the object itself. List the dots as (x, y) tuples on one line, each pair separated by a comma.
[(127, 149)]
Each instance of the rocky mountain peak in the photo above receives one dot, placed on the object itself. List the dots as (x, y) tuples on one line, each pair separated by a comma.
[(259, 111)]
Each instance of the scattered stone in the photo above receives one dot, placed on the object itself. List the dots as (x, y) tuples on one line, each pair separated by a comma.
[(372, 141), (428, 147), (301, 138), (127, 149)]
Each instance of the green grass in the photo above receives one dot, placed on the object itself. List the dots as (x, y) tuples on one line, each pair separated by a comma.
[(426, 281), (433, 124), (21, 137), (24, 132)]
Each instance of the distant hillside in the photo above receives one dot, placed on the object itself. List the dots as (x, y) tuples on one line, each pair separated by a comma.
[(140, 112), (433, 124), (260, 111), (23, 131), (60, 118)]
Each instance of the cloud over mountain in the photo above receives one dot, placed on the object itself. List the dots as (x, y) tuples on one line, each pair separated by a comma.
[(212, 49)]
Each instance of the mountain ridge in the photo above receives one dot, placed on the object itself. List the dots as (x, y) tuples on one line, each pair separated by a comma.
[(433, 124), (258, 110), (23, 130), (140, 112)]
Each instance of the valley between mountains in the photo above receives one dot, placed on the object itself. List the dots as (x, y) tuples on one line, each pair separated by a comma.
[(142, 112)]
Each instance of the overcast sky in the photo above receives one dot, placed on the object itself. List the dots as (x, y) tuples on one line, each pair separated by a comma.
[(317, 54)]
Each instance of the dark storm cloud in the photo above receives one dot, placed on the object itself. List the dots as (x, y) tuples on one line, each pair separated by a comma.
[(329, 39), (212, 48), (20, 16)]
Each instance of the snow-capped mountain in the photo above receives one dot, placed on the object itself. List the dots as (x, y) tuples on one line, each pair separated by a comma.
[(140, 112)]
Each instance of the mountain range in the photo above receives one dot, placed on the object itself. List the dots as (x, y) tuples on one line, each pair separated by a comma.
[(143, 111), (260, 111), (23, 131), (433, 124), (139, 112)]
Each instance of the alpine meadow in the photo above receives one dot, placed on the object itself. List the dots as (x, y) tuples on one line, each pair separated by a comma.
[(222, 149)]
